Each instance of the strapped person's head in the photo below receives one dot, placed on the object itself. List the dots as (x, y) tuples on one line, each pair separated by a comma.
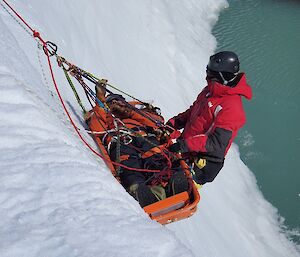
[(118, 106), (114, 97)]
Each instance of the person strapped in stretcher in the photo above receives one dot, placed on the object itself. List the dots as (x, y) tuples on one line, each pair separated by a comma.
[(132, 138)]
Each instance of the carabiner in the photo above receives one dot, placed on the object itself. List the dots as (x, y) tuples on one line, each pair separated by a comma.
[(53, 48)]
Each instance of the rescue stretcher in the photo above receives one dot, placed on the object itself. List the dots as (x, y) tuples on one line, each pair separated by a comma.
[(171, 209)]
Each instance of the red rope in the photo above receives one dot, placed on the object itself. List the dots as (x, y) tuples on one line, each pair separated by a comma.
[(19, 16), (37, 35), (34, 32)]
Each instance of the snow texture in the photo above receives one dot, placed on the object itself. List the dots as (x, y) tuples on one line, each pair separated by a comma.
[(59, 199)]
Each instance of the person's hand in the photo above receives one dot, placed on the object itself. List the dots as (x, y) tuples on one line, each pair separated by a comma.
[(175, 148), (100, 88), (179, 147), (170, 130), (170, 125)]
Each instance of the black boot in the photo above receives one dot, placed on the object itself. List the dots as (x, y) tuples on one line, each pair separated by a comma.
[(145, 196), (178, 183)]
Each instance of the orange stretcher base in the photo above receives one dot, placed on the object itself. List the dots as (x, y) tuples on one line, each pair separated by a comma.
[(171, 209)]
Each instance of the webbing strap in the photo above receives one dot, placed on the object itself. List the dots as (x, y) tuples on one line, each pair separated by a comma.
[(154, 150), (118, 150), (74, 90)]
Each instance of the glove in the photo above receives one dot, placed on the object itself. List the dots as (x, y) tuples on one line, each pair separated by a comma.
[(170, 125), (179, 146), (170, 129), (175, 148)]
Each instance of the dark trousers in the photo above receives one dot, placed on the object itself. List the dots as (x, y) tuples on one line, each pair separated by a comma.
[(208, 172), (135, 149), (176, 183)]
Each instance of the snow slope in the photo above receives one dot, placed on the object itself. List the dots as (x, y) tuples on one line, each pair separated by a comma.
[(57, 198)]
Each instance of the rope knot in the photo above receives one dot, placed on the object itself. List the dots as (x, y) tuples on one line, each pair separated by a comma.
[(36, 34)]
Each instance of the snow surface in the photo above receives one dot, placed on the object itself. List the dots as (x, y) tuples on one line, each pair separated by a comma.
[(56, 197)]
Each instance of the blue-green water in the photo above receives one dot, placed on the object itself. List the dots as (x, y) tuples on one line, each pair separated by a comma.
[(266, 36)]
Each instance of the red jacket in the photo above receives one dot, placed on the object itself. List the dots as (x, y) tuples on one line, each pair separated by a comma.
[(212, 122)]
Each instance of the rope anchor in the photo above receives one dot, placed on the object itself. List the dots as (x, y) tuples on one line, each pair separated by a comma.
[(50, 48)]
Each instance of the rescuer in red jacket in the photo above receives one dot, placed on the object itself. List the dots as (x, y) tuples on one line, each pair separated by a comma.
[(212, 122)]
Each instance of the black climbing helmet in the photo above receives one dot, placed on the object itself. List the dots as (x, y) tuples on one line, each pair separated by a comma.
[(225, 61), (223, 67), (112, 97)]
